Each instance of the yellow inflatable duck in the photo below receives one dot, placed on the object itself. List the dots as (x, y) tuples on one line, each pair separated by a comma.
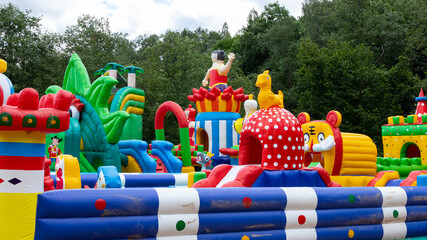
[(266, 98)]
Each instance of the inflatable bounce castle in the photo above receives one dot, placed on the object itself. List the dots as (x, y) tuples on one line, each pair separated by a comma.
[(273, 192)]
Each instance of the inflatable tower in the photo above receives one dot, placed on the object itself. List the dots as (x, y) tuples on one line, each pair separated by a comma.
[(405, 137), (216, 114), (23, 129)]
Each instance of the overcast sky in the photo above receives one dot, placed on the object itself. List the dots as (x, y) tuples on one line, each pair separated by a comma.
[(137, 17)]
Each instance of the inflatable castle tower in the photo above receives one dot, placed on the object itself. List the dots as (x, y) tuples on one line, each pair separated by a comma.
[(405, 137), (23, 129), (215, 118)]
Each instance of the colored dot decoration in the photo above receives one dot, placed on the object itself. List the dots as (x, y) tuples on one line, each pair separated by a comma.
[(351, 198), (350, 233), (395, 213), (280, 134), (247, 202), (245, 238), (100, 204), (301, 219), (180, 225)]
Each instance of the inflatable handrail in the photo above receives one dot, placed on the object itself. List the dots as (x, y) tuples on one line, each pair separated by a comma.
[(138, 150), (138, 180), (163, 150)]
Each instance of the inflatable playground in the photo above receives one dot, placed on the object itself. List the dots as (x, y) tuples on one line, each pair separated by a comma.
[(74, 165)]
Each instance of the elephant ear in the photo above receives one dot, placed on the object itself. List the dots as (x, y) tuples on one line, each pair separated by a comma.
[(334, 118), (303, 118)]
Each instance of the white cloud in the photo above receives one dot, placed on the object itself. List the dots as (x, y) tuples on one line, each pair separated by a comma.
[(137, 17)]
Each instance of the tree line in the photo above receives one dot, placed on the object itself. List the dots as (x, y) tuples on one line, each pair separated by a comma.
[(363, 58)]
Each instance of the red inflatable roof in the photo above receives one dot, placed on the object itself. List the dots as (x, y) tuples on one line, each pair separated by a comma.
[(24, 112)]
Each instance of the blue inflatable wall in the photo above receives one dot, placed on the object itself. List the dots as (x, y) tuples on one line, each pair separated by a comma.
[(233, 213)]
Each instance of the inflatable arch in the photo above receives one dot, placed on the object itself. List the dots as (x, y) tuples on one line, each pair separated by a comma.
[(183, 130)]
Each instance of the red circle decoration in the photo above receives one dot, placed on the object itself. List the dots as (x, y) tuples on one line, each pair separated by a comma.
[(301, 219), (247, 202), (100, 204)]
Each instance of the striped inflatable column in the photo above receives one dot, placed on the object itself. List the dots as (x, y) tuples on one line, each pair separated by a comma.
[(219, 129), (178, 214), (207, 127), (394, 212), (22, 155), (300, 211)]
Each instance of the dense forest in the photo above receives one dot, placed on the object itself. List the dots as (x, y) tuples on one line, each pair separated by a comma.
[(364, 58)]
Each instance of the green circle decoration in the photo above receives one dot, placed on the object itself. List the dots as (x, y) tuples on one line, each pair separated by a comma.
[(180, 225), (395, 213), (351, 198)]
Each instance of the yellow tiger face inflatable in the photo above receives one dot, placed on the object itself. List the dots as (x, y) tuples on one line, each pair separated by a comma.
[(339, 153)]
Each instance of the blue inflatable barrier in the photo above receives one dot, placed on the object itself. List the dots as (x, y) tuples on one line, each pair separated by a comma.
[(82, 203), (413, 197), (66, 228), (155, 180), (232, 200), (416, 229), (255, 213), (366, 197), (256, 235), (139, 180), (350, 232), (416, 213), (138, 150), (163, 150), (289, 178)]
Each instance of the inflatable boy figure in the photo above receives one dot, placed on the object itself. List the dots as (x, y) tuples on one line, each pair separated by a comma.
[(53, 149), (218, 72)]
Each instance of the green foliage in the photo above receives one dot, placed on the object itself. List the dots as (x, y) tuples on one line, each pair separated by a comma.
[(388, 27), (366, 59), (344, 78), (92, 39), (32, 55), (270, 41)]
